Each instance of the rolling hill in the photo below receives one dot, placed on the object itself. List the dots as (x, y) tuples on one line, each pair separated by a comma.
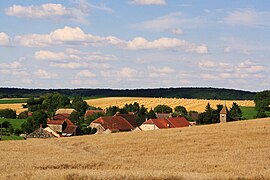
[(236, 150)]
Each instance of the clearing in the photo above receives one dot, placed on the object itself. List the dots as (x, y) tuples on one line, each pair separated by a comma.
[(235, 150)]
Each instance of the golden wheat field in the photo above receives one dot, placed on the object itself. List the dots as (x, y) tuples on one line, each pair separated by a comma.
[(16, 106), (236, 150), (189, 104)]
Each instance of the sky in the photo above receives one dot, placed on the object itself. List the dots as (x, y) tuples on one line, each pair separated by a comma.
[(132, 44)]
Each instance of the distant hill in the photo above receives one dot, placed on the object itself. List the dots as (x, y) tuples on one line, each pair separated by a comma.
[(197, 93)]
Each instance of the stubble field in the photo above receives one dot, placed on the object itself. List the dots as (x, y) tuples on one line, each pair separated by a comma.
[(236, 150), (189, 104)]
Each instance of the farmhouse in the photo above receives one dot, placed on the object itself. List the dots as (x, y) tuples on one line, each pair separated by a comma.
[(65, 126), (130, 117), (111, 124), (165, 123)]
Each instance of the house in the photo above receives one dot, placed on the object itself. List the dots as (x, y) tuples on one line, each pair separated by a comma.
[(130, 117), (65, 127), (92, 112), (111, 124), (165, 123)]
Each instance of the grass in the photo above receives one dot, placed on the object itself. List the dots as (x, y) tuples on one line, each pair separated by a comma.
[(11, 137), (16, 123), (236, 150), (13, 101), (250, 112), (190, 104)]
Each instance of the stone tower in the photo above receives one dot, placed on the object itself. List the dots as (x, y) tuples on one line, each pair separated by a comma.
[(224, 115)]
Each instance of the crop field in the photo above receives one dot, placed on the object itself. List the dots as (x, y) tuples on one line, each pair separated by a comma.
[(236, 150), (15, 106), (189, 104), (13, 100)]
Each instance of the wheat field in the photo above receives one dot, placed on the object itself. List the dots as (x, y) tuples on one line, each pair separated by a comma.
[(236, 150), (18, 107), (190, 104)]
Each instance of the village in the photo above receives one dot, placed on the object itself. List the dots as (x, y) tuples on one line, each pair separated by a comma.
[(61, 126)]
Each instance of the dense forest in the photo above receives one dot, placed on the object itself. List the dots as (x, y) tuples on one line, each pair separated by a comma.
[(198, 93)]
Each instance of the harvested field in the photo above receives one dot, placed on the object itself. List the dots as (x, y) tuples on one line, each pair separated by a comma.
[(16, 106), (236, 150), (189, 104)]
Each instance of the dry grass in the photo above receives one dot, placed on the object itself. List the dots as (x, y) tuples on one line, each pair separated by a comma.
[(190, 104), (16, 106), (237, 150)]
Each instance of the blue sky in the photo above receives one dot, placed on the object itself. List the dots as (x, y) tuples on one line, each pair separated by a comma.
[(135, 44)]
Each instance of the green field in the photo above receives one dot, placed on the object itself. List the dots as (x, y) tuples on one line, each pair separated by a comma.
[(13, 101), (16, 123), (12, 137), (250, 112)]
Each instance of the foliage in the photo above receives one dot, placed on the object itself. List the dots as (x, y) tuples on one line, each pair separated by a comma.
[(210, 115), (74, 117), (23, 115), (38, 118), (194, 93), (151, 114), (93, 130), (141, 115), (236, 112), (7, 113), (262, 102), (79, 105), (163, 109), (181, 109), (112, 110)]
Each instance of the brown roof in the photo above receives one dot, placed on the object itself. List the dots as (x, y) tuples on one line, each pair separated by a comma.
[(91, 112), (224, 110), (163, 123), (64, 111), (60, 116), (114, 123), (131, 118), (70, 130), (40, 133), (60, 122)]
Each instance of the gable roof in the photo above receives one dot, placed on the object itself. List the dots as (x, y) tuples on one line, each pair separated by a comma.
[(40, 133), (60, 116), (224, 110), (179, 122), (60, 122), (131, 118), (163, 123), (70, 130), (114, 123), (91, 112)]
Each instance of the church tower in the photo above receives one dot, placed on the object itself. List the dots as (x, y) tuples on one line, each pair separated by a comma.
[(224, 115)]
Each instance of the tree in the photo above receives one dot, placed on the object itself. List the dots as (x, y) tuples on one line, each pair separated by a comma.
[(23, 115), (207, 116), (151, 114), (79, 105), (112, 110), (141, 115), (90, 119), (181, 109), (38, 118), (74, 117), (163, 109), (235, 112), (8, 113), (262, 101)]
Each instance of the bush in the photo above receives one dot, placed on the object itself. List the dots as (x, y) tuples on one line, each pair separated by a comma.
[(93, 130), (17, 132), (8, 113), (23, 115), (163, 109)]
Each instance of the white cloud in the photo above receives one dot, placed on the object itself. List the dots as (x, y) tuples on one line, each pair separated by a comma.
[(148, 2), (43, 74), (160, 72), (4, 39), (123, 73), (86, 74), (49, 55), (176, 31), (248, 17), (47, 11), (75, 36)]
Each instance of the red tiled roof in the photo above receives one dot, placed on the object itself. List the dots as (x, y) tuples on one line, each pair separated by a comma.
[(91, 112), (60, 116), (179, 122), (114, 123), (163, 123), (131, 118)]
